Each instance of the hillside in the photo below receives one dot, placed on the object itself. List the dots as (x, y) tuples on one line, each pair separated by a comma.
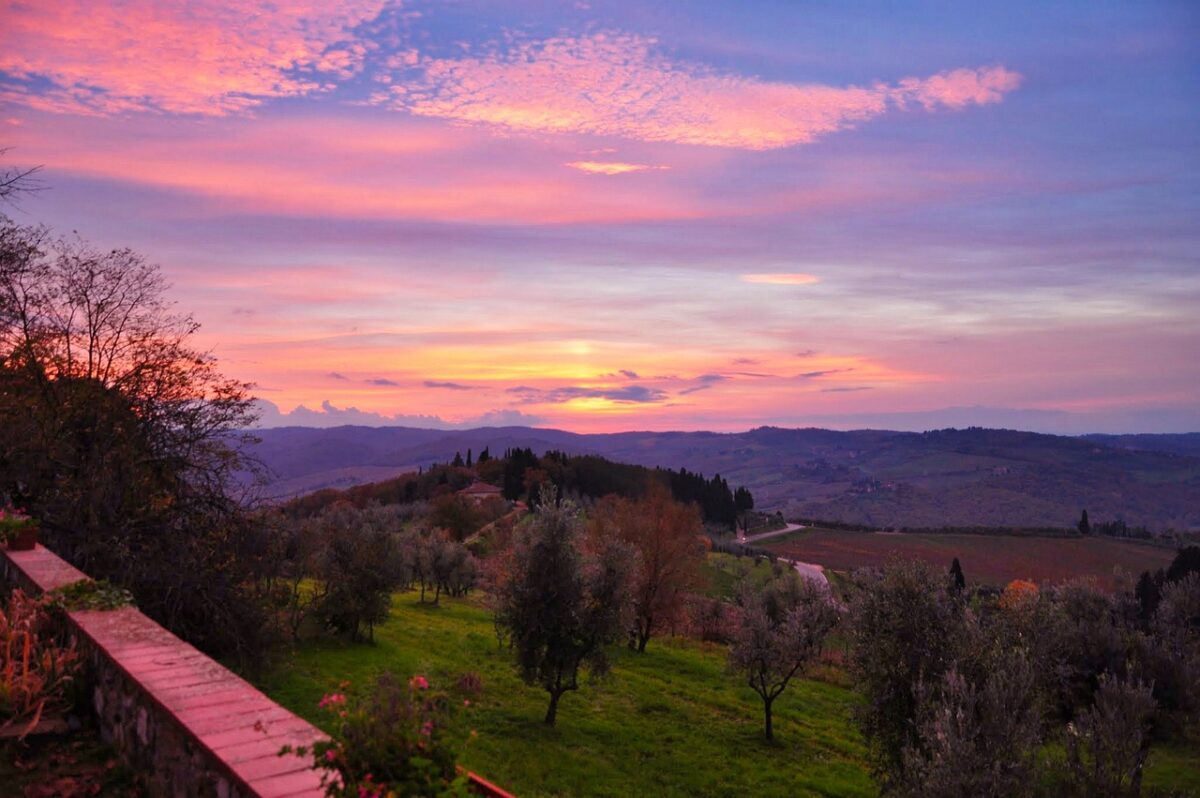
[(947, 477)]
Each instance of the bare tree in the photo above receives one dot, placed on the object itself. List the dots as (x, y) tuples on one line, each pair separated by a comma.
[(121, 436), (782, 628), (16, 180)]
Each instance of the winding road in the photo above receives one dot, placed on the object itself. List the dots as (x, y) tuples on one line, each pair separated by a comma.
[(806, 569)]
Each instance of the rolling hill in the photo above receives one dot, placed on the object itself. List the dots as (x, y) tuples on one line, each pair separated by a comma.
[(970, 477)]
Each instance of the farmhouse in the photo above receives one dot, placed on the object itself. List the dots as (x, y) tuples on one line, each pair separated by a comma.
[(478, 490)]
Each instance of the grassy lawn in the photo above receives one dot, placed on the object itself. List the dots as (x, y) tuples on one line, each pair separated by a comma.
[(667, 722), (723, 572)]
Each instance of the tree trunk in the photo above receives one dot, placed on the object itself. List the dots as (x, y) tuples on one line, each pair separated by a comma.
[(769, 730), (552, 710)]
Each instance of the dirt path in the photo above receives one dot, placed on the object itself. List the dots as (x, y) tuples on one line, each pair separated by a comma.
[(806, 569)]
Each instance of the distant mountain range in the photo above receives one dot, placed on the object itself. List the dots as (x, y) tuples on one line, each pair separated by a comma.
[(965, 477)]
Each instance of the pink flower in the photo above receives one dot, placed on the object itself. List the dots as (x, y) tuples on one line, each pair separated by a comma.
[(466, 702), (330, 755), (419, 682), (332, 698), (427, 728)]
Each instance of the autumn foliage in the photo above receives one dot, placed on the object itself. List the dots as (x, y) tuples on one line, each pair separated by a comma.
[(666, 535)]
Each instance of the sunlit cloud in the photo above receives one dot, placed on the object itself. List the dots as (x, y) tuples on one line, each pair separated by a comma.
[(611, 167), (781, 279), (330, 415), (178, 56), (621, 84)]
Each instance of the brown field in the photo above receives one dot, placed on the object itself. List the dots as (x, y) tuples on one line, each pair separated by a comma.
[(986, 559)]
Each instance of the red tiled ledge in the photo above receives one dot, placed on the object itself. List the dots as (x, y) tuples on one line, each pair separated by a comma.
[(188, 722)]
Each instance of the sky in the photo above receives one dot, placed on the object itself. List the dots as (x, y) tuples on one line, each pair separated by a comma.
[(606, 216)]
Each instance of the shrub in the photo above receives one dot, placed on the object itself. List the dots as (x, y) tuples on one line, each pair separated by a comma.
[(1082, 635), (977, 731), (35, 670), (906, 626), (1107, 744), (12, 523), (397, 740), (710, 619)]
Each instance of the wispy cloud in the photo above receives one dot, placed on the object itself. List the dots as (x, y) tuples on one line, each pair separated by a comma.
[(851, 389), (781, 279), (812, 375), (626, 394), (450, 386), (204, 57), (622, 84), (337, 376), (384, 382)]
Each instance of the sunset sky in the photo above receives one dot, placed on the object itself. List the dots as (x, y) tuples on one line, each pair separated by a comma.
[(644, 215)]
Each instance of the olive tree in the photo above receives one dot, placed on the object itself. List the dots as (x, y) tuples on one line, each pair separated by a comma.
[(906, 626), (562, 603), (781, 629)]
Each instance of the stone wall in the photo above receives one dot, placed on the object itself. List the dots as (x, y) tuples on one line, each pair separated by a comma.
[(192, 726)]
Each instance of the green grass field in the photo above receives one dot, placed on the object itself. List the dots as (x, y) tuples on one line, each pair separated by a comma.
[(668, 722), (671, 721)]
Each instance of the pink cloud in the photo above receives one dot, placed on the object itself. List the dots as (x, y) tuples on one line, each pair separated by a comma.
[(781, 279), (177, 56), (370, 165), (618, 84)]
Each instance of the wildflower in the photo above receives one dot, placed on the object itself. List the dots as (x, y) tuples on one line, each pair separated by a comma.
[(419, 682), (331, 699), (466, 702), (427, 728), (330, 755)]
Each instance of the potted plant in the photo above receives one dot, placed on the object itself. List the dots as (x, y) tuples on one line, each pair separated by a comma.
[(18, 532)]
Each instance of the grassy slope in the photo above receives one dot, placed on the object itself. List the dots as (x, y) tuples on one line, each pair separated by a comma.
[(668, 722)]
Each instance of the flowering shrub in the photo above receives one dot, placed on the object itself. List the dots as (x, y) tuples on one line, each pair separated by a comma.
[(395, 741), (35, 671)]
